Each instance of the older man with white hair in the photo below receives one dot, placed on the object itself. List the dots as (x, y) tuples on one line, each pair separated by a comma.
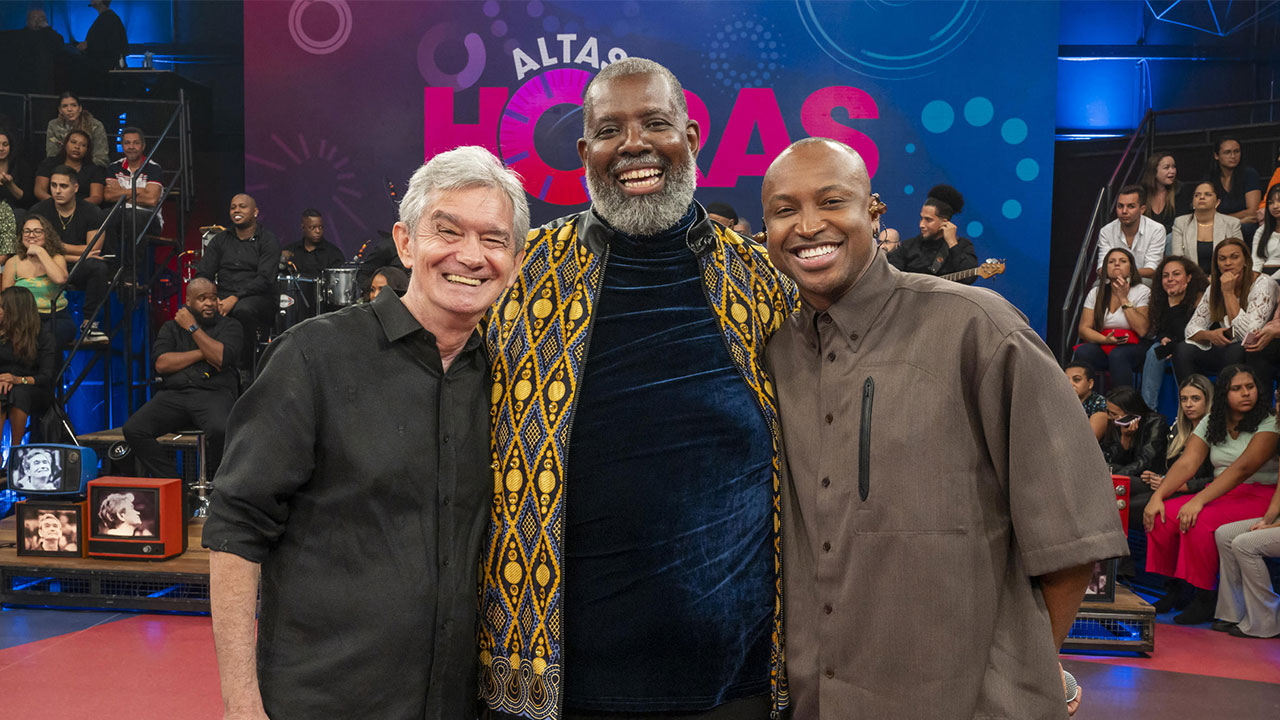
[(356, 482)]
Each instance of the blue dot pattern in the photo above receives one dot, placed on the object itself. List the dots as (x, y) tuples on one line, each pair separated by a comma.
[(938, 116), (1027, 169), (974, 229), (1013, 131), (979, 111), (1011, 209)]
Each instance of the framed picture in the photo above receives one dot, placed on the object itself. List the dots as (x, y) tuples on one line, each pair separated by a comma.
[(1102, 585), (51, 529)]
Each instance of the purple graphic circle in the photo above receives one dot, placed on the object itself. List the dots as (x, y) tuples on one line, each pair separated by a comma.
[(320, 46)]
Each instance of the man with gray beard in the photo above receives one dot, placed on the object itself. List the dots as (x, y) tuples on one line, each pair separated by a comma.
[(632, 565)]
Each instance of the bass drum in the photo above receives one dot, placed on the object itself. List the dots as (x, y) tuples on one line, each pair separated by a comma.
[(338, 286), (299, 300)]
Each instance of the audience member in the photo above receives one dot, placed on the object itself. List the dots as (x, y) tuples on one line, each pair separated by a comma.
[(938, 249), (722, 213), (27, 362), (388, 277), (77, 148), (1081, 377), (41, 268), (195, 355), (78, 222), (1239, 438), (71, 116), (743, 228), (1248, 605), (1266, 241), (243, 261), (1173, 299), (1132, 230), (15, 178), (1160, 178), (1238, 186), (8, 233), (1114, 321), (105, 44), (1195, 235), (375, 254), (1135, 444), (313, 254), (1238, 304), (140, 184)]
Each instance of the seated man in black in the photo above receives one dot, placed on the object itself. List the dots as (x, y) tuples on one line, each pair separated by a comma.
[(78, 221), (243, 261), (313, 254), (195, 354), (938, 249)]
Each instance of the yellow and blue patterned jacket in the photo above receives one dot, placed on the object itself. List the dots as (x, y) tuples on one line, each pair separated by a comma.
[(538, 340)]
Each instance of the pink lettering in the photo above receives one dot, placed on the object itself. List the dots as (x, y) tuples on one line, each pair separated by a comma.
[(816, 117), (755, 108), (441, 133)]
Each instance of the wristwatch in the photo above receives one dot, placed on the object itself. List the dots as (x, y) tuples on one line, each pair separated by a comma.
[(193, 329), (1126, 305), (24, 380)]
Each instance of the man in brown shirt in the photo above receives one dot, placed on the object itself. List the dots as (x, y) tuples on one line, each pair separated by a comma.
[(943, 503)]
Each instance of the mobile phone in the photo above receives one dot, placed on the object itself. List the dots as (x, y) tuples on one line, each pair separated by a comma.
[(1251, 337), (1128, 420)]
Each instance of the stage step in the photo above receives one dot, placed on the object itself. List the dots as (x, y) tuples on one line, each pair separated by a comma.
[(1127, 625)]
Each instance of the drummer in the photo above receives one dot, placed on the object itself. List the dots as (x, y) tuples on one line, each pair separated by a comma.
[(242, 261), (313, 254)]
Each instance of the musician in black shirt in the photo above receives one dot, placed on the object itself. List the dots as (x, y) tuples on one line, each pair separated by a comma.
[(243, 262), (195, 354), (938, 249), (313, 254)]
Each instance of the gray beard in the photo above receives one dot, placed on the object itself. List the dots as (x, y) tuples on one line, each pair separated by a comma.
[(645, 214)]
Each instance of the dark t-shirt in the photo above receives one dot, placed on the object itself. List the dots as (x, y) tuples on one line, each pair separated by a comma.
[(86, 176), (85, 219), (1243, 181), (312, 263)]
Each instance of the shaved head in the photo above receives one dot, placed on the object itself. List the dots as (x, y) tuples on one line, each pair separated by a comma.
[(858, 169), (199, 285)]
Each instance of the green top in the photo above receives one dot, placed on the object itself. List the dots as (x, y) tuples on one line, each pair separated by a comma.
[(44, 289), (1228, 451)]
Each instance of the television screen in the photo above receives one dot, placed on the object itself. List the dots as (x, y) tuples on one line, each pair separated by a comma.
[(50, 529), (124, 512), (51, 470)]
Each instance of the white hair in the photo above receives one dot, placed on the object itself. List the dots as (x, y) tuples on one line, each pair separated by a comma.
[(460, 169)]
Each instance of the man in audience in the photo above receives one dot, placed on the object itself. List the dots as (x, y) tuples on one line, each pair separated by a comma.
[(654, 576), (195, 355), (1132, 230), (722, 213), (1080, 375), (938, 249), (78, 222), (243, 261), (105, 44), (940, 468), (313, 254), (363, 511), (140, 184)]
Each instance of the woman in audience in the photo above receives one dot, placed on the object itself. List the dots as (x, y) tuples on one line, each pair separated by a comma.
[(388, 277), (1238, 185), (8, 233), (1195, 397), (15, 179), (71, 116), (76, 151), (1134, 444), (1239, 438), (1160, 178), (1173, 299), (40, 267), (1266, 241), (1239, 302), (1197, 234), (1248, 605), (1114, 320), (27, 362), (1080, 375)]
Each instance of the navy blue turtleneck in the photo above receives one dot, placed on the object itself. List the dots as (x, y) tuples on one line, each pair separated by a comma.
[(669, 589)]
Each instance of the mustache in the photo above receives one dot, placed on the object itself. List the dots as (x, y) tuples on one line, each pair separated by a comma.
[(644, 160)]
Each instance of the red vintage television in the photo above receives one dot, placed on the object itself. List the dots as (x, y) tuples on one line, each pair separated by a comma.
[(1123, 499), (136, 518)]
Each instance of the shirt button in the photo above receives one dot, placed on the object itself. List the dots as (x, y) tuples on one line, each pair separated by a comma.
[(826, 547), (830, 417), (831, 357), (826, 609), (826, 319), (445, 562), (826, 482), (853, 336), (446, 502), (830, 673), (446, 439)]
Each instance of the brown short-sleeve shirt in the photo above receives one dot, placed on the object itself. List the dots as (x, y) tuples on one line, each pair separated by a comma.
[(936, 464)]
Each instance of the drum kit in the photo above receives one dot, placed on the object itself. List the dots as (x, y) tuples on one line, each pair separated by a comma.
[(303, 297)]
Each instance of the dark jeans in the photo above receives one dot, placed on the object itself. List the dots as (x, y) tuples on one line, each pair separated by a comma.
[(62, 327), (254, 312), (1121, 362), (91, 276), (1264, 364), (127, 225), (1189, 359), (173, 410)]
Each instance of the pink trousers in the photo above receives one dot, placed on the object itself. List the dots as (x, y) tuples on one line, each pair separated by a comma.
[(1193, 556)]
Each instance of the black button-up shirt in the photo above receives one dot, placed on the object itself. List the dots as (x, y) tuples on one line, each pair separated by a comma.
[(357, 473), (242, 267), (918, 254), (312, 262), (175, 338)]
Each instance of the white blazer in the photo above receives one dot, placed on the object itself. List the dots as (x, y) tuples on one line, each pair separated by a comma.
[(1182, 241)]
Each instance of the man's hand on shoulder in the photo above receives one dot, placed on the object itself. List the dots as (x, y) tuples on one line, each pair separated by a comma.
[(226, 303), (184, 318)]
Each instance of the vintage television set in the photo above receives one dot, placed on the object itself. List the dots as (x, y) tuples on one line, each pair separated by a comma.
[(52, 471), (136, 518), (50, 529)]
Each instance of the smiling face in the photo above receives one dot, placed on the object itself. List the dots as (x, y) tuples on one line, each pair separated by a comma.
[(244, 212), (4, 146), (462, 254), (638, 152), (1193, 403), (1174, 278), (817, 213), (1273, 202), (131, 145), (33, 233)]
